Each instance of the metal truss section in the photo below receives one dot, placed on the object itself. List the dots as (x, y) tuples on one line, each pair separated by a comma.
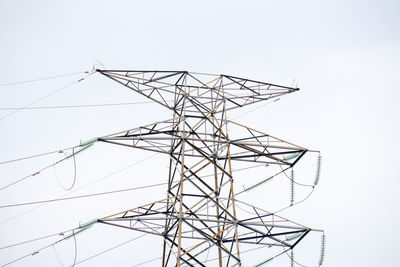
[(199, 218), (168, 88), (250, 145), (202, 231)]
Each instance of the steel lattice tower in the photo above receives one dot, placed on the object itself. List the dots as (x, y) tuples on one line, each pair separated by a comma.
[(199, 216)]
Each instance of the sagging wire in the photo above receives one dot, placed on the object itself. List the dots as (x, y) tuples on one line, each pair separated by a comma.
[(83, 146), (264, 262), (259, 107), (317, 175), (75, 231), (31, 240), (40, 238), (86, 185), (107, 250), (31, 175), (293, 182), (282, 209), (270, 259), (58, 257), (44, 78), (81, 196), (30, 254), (296, 203), (81, 106), (87, 74), (321, 258), (145, 262), (290, 179), (37, 155), (75, 250), (74, 180)]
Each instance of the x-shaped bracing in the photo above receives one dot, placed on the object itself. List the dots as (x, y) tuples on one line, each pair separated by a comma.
[(199, 219)]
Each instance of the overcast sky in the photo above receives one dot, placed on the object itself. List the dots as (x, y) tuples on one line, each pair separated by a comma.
[(344, 56)]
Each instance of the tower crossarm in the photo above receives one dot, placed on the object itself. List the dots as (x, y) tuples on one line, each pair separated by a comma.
[(249, 146), (202, 231), (168, 88)]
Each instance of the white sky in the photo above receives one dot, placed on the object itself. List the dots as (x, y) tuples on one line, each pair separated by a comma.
[(344, 55)]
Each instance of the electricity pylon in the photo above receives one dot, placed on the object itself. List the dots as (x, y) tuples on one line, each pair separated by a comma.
[(199, 219)]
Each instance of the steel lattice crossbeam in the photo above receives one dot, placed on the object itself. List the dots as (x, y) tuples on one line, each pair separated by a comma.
[(199, 216), (204, 91), (202, 229), (253, 146)]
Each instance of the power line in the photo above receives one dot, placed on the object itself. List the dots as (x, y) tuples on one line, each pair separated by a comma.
[(87, 185), (30, 175), (82, 146), (256, 108), (44, 78), (58, 241), (74, 180), (78, 106), (42, 248), (39, 171), (32, 240), (49, 94), (145, 262), (81, 196), (38, 155), (107, 250)]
